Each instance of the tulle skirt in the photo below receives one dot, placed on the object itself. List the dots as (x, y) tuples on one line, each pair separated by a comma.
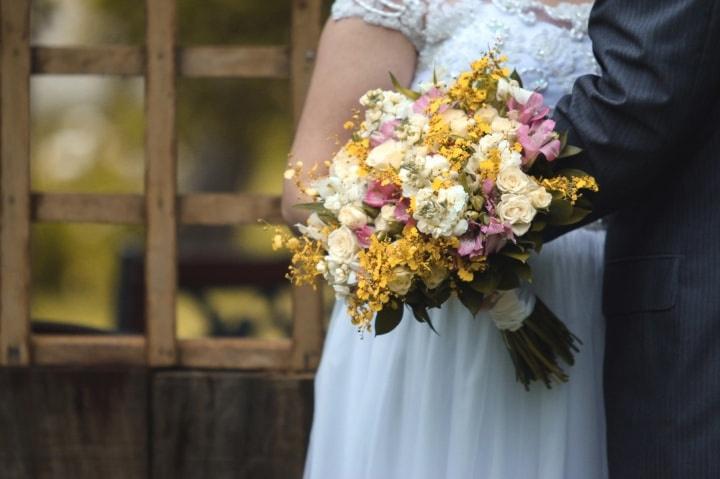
[(415, 404)]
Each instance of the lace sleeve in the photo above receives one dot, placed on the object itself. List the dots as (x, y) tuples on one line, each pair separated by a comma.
[(406, 16)]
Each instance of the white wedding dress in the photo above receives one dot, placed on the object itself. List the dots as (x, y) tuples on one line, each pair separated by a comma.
[(419, 405)]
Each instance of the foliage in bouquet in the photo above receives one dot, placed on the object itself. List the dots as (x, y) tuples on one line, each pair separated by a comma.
[(445, 191)]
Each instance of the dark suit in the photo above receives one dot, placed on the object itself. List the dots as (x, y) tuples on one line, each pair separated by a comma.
[(650, 130)]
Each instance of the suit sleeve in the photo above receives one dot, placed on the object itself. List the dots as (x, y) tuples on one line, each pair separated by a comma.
[(660, 76)]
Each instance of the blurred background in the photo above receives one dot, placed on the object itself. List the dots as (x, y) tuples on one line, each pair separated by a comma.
[(87, 136)]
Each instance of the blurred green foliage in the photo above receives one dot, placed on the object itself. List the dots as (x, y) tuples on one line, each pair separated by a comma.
[(88, 134)]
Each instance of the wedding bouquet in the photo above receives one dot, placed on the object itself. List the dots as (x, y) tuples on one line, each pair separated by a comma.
[(445, 191)]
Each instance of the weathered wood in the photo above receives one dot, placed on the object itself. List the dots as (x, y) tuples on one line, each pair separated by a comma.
[(161, 182), (305, 34), (307, 303), (103, 60), (88, 208), (70, 350), (80, 424), (229, 208), (229, 425), (195, 208), (238, 62), (15, 183), (201, 61), (225, 353)]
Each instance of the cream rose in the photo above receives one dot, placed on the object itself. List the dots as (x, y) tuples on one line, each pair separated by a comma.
[(342, 245), (486, 114), (504, 125), (434, 276), (507, 89), (517, 211), (540, 198), (513, 180), (401, 280), (458, 121), (386, 156), (352, 217)]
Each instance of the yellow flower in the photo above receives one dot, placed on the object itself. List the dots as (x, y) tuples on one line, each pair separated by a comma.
[(465, 274)]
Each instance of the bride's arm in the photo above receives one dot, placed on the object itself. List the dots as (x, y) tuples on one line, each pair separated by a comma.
[(353, 57)]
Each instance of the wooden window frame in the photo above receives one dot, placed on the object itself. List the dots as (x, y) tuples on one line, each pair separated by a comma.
[(160, 209)]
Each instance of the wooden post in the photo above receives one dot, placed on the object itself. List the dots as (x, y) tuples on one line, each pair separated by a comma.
[(160, 183), (307, 303), (15, 184)]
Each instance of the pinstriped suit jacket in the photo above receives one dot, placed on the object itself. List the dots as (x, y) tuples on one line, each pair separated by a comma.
[(650, 129)]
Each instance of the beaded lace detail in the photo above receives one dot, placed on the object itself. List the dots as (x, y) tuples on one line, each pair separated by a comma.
[(547, 44)]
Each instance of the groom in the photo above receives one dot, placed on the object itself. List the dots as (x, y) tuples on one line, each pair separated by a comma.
[(649, 126)]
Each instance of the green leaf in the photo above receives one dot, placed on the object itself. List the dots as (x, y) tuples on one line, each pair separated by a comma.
[(471, 299), (522, 256), (533, 240), (577, 216), (388, 319), (560, 210), (435, 79), (516, 76), (485, 282), (538, 224), (569, 151), (413, 95), (420, 313), (563, 140)]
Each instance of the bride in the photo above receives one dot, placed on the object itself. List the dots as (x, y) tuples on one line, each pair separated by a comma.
[(412, 403)]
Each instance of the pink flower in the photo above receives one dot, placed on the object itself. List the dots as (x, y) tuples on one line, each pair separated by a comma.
[(497, 235), (539, 139), (378, 194), (534, 110), (402, 212), (422, 103), (363, 235), (384, 133)]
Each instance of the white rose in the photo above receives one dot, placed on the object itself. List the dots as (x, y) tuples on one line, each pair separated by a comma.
[(386, 156), (342, 245), (540, 198), (435, 276), (486, 114), (507, 89), (352, 217), (517, 211), (387, 212), (503, 125), (314, 228), (509, 158), (400, 281), (458, 121), (513, 180)]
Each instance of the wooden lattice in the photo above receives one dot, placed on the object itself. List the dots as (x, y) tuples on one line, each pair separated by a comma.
[(160, 208)]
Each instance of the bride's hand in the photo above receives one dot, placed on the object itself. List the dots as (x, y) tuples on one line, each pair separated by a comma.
[(353, 57)]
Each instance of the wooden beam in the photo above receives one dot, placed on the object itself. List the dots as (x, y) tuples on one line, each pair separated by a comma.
[(229, 209), (194, 209), (88, 208), (307, 303), (104, 60), (74, 350), (242, 62), (200, 61), (161, 182), (226, 353), (15, 183), (216, 353), (305, 34)]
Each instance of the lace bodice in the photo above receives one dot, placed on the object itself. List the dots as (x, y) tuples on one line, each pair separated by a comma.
[(548, 45)]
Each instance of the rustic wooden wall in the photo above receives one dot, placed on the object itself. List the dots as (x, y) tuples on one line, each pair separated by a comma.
[(120, 423)]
